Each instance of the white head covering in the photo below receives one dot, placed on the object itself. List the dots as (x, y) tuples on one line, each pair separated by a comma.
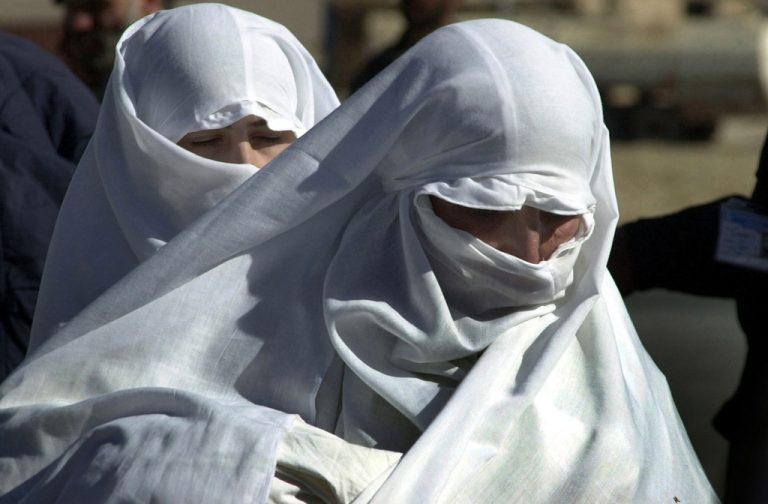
[(314, 289), (198, 67)]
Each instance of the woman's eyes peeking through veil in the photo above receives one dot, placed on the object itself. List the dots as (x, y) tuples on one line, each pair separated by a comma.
[(249, 140), (529, 233)]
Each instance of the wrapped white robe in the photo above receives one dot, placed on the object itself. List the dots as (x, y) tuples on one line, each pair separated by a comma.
[(309, 291)]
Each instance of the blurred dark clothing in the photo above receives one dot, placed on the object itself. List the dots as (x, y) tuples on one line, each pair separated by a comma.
[(422, 17), (46, 119), (378, 63), (744, 417), (91, 55), (760, 192), (677, 252), (751, 294)]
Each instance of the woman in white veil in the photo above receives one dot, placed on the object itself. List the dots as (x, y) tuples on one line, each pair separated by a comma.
[(330, 287), (200, 68)]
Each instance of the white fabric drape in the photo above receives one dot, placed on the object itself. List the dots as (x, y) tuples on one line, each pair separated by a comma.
[(197, 67), (310, 291)]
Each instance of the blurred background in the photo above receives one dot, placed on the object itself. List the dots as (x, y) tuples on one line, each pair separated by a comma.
[(681, 87)]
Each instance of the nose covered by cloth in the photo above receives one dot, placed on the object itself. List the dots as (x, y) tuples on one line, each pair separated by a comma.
[(478, 278)]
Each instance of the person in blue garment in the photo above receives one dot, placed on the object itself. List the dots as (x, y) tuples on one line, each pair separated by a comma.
[(47, 117)]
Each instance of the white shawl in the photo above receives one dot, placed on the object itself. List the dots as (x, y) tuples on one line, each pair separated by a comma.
[(309, 291), (197, 67)]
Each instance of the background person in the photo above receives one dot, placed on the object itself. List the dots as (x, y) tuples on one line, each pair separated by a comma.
[(46, 119), (230, 87), (678, 252), (422, 17), (91, 28)]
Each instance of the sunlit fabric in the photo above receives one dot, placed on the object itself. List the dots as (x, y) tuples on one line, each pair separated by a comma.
[(310, 291)]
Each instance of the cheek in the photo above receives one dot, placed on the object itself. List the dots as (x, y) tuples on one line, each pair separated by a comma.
[(491, 231), (269, 153), (212, 152), (200, 150)]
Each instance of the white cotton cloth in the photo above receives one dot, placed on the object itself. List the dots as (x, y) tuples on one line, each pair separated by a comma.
[(311, 290), (197, 67)]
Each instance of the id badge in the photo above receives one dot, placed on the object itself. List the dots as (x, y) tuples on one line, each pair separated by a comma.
[(743, 236)]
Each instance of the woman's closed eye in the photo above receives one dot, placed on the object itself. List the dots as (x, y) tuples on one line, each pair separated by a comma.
[(248, 140), (206, 141), (265, 138), (530, 234), (484, 212)]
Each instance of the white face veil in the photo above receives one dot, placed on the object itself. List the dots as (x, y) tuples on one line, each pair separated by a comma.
[(481, 282), (312, 290), (187, 69), (205, 67)]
